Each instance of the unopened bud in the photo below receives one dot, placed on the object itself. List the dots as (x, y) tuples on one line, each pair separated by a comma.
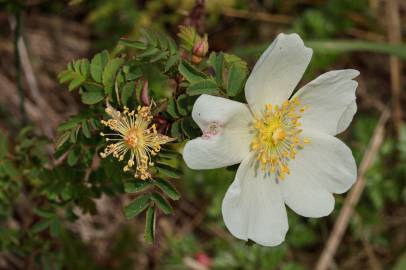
[(196, 59), (201, 47)]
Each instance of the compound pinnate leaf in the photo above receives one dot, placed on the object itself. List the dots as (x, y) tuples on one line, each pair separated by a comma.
[(97, 65), (137, 206), (167, 188)]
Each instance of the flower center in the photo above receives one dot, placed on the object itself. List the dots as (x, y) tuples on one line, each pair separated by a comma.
[(133, 137), (277, 137)]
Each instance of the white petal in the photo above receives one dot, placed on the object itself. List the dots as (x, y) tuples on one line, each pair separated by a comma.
[(226, 134), (322, 167), (331, 101), (277, 71), (306, 197), (253, 207), (346, 117)]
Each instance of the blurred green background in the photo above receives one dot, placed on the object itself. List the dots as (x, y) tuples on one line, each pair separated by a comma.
[(359, 34)]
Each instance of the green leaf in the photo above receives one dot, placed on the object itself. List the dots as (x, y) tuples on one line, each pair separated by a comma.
[(73, 156), (167, 188), (136, 186), (236, 79), (167, 153), (133, 73), (182, 103), (173, 59), (127, 92), (74, 134), (55, 227), (171, 108), (188, 37), (159, 56), (62, 139), (173, 49), (207, 86), (3, 145), (40, 226), (9, 168), (44, 213), (231, 59), (93, 94), (84, 67), (86, 129), (168, 171), (97, 65), (190, 73), (137, 206), (189, 127), (65, 76), (76, 82), (76, 73), (175, 129), (109, 74), (162, 203), (150, 217), (149, 37), (163, 41), (71, 123), (216, 61), (132, 44), (149, 52), (76, 65)]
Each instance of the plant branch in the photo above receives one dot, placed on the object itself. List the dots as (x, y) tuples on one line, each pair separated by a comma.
[(353, 197), (15, 22), (394, 37)]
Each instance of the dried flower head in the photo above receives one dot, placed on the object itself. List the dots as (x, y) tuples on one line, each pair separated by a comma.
[(135, 137)]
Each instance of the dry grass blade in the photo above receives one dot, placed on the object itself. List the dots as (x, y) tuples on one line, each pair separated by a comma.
[(355, 194)]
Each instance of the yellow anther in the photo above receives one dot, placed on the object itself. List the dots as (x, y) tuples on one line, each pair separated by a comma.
[(136, 138), (285, 169), (303, 108), (277, 136)]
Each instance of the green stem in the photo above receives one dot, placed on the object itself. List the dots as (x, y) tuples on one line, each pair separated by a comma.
[(334, 46)]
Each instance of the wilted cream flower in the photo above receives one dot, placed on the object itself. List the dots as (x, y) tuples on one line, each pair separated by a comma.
[(285, 144), (135, 138)]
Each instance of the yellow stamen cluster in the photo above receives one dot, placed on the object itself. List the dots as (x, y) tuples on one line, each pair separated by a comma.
[(134, 136), (277, 137)]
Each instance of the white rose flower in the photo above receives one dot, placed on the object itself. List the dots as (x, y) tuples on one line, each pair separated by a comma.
[(286, 145)]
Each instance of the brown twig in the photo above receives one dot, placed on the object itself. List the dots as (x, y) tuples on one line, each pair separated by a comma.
[(257, 16), (354, 196), (394, 37), (52, 117)]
